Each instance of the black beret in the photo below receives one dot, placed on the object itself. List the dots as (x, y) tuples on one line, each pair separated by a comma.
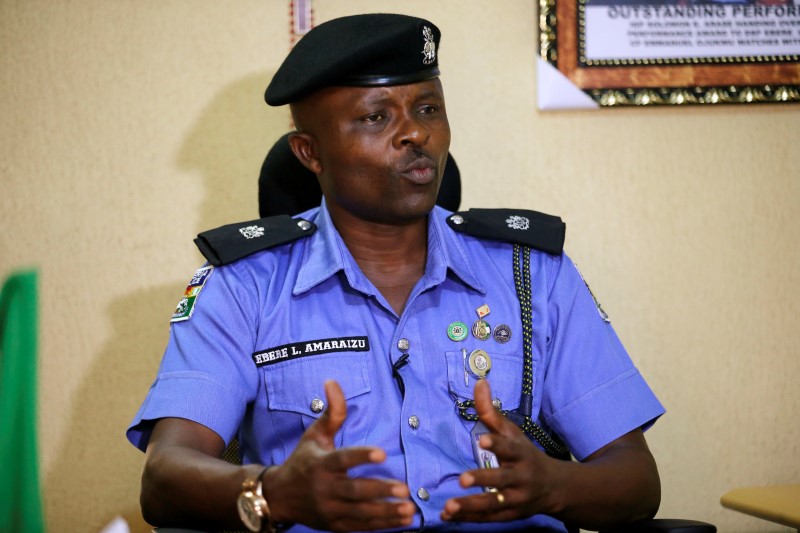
[(358, 51), (286, 187)]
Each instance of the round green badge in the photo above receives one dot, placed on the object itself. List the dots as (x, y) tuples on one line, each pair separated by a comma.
[(457, 331)]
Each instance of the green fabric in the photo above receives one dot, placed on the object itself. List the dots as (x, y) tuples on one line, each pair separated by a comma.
[(20, 499)]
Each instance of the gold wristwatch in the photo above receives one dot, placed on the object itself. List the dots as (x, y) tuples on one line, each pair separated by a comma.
[(252, 506)]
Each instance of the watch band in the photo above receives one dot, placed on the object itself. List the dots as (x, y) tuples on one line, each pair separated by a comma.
[(253, 483), (253, 487)]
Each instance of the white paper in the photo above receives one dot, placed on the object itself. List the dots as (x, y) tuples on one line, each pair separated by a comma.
[(556, 91)]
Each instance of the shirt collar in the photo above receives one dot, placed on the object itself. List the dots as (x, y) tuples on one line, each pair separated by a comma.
[(446, 251), (327, 254)]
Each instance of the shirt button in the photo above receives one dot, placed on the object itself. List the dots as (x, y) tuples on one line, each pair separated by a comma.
[(402, 345), (413, 421), (497, 403), (317, 405), (423, 495)]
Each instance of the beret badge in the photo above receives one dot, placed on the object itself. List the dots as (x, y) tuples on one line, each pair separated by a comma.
[(429, 50)]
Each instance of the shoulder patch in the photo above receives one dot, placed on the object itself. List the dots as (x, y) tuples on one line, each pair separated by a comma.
[(519, 226), (185, 306), (600, 310), (232, 242)]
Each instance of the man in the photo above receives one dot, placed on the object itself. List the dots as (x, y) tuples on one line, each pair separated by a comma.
[(353, 350)]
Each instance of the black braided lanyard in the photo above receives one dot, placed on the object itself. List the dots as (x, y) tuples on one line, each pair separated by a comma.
[(521, 416)]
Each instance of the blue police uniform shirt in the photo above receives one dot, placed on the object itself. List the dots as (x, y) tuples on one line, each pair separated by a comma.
[(268, 330)]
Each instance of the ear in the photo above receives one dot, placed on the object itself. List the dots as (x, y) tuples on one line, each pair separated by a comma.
[(304, 148)]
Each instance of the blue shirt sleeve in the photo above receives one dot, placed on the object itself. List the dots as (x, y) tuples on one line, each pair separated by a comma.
[(593, 394), (206, 374)]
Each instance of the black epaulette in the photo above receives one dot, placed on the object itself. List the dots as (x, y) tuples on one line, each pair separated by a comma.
[(230, 243), (519, 226)]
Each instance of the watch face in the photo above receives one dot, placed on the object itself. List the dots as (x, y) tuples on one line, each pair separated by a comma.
[(250, 510)]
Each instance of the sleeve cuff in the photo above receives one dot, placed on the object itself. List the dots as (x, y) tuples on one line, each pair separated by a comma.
[(607, 413), (209, 404)]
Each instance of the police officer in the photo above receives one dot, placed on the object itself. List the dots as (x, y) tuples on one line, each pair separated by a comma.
[(385, 363)]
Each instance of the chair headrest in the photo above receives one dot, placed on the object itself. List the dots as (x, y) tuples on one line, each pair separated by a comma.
[(286, 187)]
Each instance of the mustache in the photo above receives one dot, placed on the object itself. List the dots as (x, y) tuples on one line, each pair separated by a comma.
[(418, 156)]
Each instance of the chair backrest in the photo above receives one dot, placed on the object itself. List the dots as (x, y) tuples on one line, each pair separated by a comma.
[(286, 187)]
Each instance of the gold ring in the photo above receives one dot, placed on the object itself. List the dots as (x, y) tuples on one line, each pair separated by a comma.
[(500, 498)]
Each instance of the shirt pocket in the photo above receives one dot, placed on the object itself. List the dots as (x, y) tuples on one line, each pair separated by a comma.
[(296, 388), (505, 379)]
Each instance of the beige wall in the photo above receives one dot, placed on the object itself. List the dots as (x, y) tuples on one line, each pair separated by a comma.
[(129, 126)]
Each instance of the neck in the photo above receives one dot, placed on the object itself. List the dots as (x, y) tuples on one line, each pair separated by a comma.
[(391, 256)]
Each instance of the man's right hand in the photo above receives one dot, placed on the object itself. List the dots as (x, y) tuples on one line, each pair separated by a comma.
[(313, 488), (187, 484)]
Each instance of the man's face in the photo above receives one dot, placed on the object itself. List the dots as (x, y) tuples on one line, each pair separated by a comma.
[(381, 151)]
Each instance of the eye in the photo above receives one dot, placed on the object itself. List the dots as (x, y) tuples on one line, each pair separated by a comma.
[(429, 109), (373, 118)]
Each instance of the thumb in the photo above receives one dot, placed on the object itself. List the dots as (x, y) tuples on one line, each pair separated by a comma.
[(491, 417), (325, 428)]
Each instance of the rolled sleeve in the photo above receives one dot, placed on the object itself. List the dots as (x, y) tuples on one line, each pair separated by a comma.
[(593, 392), (194, 396), (607, 413)]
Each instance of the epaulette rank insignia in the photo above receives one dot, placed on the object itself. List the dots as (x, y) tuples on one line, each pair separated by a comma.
[(232, 242), (518, 226)]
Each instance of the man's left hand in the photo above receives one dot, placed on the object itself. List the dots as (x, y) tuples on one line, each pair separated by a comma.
[(524, 482)]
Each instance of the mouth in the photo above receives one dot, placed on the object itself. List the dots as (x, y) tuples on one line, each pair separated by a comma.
[(421, 171)]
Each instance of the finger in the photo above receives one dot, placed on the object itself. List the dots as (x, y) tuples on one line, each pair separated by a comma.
[(346, 458), (509, 449), (369, 489), (484, 507), (485, 477), (483, 405), (334, 415), (372, 515), (324, 429), (488, 414)]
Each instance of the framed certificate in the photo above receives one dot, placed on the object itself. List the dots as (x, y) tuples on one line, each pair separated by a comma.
[(610, 53)]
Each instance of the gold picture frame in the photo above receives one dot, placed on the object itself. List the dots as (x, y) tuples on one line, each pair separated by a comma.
[(623, 76)]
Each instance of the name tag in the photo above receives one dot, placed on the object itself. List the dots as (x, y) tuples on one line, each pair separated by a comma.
[(296, 350)]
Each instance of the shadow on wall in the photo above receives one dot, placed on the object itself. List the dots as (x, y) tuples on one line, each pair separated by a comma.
[(97, 473), (227, 146)]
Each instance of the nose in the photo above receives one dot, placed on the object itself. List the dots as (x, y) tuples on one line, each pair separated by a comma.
[(411, 131)]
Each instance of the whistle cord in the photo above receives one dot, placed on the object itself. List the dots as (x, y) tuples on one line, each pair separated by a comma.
[(522, 415)]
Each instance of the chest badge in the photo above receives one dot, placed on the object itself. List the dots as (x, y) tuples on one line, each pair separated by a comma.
[(479, 363), (502, 333), (457, 331), (481, 330)]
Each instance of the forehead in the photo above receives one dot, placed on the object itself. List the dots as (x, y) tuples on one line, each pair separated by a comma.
[(340, 101)]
